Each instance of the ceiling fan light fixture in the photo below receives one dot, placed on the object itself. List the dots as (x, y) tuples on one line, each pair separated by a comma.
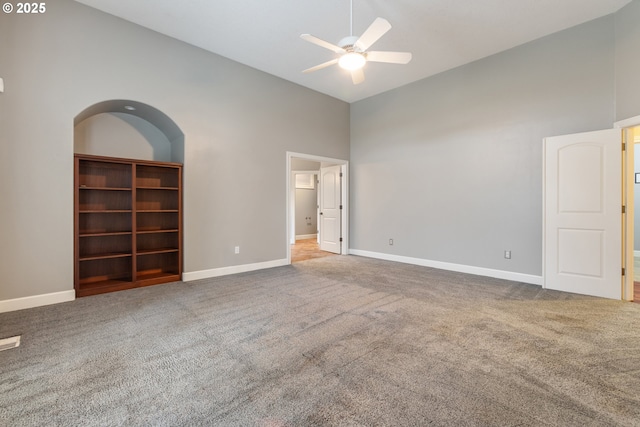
[(352, 61), (354, 51)]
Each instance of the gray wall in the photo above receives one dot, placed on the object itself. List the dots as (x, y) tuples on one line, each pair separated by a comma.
[(627, 30), (238, 125), (450, 167), (298, 164), (121, 135)]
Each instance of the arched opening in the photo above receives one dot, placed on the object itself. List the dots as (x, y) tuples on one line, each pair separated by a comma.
[(128, 129), (128, 159)]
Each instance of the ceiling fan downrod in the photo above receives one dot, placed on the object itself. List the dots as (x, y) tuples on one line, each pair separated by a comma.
[(351, 22)]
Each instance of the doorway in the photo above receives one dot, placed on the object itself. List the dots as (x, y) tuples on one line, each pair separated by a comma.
[(633, 203), (631, 135), (299, 167)]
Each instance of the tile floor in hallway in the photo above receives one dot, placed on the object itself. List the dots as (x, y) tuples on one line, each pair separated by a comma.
[(307, 249)]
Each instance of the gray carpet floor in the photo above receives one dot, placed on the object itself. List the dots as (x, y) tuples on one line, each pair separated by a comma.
[(337, 341)]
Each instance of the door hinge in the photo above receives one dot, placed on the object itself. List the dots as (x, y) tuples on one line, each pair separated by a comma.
[(623, 271), (624, 146), (340, 174), (341, 239), (624, 209), (340, 206)]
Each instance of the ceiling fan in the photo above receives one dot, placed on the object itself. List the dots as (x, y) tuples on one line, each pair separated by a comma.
[(353, 50)]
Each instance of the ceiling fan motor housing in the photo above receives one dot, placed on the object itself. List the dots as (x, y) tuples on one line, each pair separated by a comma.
[(349, 44)]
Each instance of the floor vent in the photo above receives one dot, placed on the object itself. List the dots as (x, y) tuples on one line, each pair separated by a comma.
[(9, 343)]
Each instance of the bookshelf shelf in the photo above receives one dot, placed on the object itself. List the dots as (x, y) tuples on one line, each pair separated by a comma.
[(128, 223)]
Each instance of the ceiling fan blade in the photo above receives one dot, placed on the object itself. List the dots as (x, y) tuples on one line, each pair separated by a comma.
[(322, 43), (376, 30), (390, 57), (357, 76), (321, 66)]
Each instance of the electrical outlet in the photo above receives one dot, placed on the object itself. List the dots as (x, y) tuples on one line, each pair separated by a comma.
[(390, 242), (507, 254), (237, 250)]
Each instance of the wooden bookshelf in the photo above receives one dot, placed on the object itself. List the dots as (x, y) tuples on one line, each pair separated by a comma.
[(128, 223)]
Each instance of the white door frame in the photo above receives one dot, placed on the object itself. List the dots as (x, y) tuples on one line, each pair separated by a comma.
[(344, 167), (628, 184)]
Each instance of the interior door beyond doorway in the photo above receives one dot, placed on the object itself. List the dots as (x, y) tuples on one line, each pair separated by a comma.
[(330, 209)]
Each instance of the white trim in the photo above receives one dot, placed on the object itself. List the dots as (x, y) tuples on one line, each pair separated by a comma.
[(306, 236), (627, 123), (636, 253), (234, 269), (36, 301), (480, 271), (628, 221), (344, 249)]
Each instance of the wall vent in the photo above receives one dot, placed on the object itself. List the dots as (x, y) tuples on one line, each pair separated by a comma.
[(9, 343)]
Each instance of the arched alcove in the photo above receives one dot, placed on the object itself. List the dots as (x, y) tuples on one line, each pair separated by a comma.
[(129, 129), (128, 197)]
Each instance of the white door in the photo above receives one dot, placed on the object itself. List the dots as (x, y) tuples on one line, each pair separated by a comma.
[(583, 213), (330, 209)]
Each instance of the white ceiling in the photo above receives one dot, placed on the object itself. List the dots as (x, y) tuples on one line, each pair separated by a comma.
[(441, 34)]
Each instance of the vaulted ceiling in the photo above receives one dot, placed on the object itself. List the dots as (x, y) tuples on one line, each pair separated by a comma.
[(441, 34)]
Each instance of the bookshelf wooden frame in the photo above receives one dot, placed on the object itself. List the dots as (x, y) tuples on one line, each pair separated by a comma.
[(127, 223)]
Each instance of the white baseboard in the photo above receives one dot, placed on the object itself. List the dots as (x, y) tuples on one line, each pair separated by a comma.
[(36, 301), (65, 296), (480, 271), (225, 271), (306, 236), (636, 253)]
